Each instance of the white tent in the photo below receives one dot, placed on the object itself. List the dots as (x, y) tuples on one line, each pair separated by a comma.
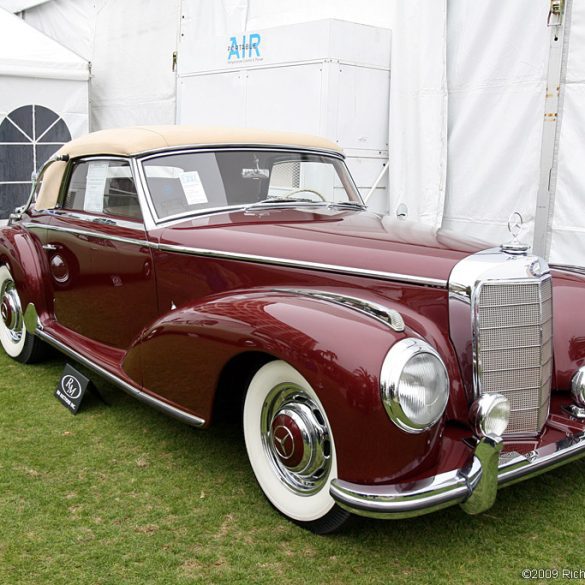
[(487, 118), (43, 103), (486, 108)]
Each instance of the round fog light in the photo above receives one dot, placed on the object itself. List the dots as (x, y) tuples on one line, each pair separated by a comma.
[(578, 388), (490, 415)]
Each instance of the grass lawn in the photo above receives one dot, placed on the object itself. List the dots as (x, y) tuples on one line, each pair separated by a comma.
[(122, 494)]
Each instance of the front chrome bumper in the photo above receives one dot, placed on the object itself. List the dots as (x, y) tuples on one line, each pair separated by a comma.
[(473, 487)]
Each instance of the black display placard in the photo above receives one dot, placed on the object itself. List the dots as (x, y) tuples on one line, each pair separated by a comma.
[(71, 388)]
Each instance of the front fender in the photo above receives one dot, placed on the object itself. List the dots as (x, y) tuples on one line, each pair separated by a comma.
[(338, 350), (568, 325)]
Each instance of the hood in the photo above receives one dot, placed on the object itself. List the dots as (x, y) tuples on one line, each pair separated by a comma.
[(323, 235)]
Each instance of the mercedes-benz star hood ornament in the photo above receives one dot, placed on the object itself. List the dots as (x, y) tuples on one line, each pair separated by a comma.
[(515, 246)]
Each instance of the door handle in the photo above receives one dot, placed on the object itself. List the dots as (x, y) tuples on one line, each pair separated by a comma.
[(50, 247)]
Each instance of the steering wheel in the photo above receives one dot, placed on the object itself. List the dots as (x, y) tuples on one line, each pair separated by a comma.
[(295, 191)]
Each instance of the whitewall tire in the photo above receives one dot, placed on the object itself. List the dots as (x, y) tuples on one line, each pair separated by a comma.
[(290, 446), (15, 340)]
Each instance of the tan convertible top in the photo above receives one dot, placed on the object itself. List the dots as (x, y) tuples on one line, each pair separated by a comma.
[(141, 139)]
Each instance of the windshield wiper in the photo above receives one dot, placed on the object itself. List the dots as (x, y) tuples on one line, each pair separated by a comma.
[(350, 204), (278, 201)]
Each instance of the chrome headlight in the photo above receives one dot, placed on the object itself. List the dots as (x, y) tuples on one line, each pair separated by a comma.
[(414, 385)]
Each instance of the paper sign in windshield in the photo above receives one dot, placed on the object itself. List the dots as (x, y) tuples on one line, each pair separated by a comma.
[(193, 188), (95, 186)]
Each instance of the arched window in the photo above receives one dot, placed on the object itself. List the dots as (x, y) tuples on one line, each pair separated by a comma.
[(29, 136)]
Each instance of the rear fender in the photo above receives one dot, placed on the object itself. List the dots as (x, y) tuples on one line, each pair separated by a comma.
[(21, 251)]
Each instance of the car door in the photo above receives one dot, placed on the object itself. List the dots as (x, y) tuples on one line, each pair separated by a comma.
[(98, 253)]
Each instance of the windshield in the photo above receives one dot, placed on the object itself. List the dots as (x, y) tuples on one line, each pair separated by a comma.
[(186, 183)]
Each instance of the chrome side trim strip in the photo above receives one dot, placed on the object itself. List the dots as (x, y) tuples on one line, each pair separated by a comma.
[(434, 282), (405, 278), (455, 487), (172, 411), (388, 317), (568, 268)]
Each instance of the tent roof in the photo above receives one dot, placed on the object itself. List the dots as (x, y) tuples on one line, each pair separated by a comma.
[(20, 5), (25, 52)]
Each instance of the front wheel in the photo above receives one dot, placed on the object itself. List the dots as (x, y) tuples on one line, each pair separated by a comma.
[(15, 340), (291, 448)]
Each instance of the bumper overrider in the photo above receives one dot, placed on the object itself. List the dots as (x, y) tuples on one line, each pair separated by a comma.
[(473, 487)]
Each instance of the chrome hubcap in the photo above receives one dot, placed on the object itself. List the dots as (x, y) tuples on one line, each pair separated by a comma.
[(296, 439), (11, 311)]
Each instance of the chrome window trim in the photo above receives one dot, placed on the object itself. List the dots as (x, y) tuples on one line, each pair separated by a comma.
[(389, 317), (97, 219), (89, 233), (212, 147), (165, 222), (72, 162)]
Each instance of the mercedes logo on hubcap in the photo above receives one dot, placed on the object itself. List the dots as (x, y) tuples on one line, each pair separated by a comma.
[(284, 442)]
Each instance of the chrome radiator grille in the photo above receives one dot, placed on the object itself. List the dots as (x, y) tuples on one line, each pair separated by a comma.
[(513, 348)]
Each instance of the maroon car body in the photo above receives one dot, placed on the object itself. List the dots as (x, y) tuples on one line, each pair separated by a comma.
[(183, 311)]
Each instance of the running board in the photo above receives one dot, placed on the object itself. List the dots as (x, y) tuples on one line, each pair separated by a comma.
[(34, 326)]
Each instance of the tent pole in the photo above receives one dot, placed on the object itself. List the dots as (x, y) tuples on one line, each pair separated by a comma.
[(559, 24)]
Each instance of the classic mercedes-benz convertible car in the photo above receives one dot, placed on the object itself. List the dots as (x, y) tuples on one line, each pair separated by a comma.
[(382, 369)]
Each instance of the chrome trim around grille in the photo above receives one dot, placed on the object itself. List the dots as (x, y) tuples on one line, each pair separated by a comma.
[(505, 346)]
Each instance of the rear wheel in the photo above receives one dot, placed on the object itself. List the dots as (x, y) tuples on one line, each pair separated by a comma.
[(15, 340), (291, 448)]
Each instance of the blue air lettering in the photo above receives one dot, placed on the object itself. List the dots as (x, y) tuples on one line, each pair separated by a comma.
[(248, 48)]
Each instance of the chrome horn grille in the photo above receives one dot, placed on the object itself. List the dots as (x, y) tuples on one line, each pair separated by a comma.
[(500, 311)]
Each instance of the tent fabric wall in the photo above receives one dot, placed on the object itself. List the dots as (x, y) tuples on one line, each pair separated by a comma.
[(497, 69), (467, 94), (418, 110), (43, 102), (219, 17), (24, 52), (130, 45), (568, 227)]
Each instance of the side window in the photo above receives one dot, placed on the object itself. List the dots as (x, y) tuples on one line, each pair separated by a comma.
[(103, 187)]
